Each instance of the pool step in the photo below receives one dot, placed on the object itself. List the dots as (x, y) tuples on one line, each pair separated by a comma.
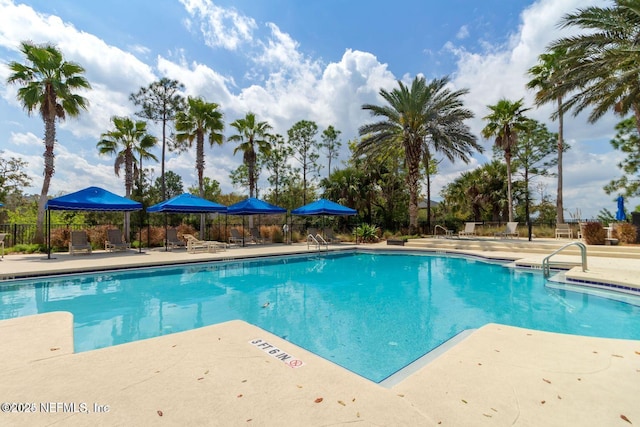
[(523, 246)]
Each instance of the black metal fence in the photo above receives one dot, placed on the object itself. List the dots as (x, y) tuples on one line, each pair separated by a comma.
[(18, 234), (24, 234)]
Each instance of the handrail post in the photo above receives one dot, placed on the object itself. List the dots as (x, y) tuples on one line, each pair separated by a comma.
[(546, 268)]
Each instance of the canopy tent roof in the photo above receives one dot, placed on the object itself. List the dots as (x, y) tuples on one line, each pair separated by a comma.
[(187, 203), (323, 207), (620, 214), (93, 199), (253, 206)]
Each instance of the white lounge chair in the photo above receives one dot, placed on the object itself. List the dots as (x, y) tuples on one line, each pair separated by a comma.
[(114, 241), (194, 244), (564, 230), (446, 233), (172, 239), (79, 242), (469, 229), (511, 230)]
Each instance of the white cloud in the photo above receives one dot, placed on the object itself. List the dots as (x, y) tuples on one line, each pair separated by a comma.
[(463, 33), (220, 27), (500, 71), (287, 86)]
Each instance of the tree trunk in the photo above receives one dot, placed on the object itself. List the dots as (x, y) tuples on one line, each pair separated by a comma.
[(128, 186), (49, 142), (559, 198), (507, 157), (412, 151), (164, 149), (200, 168), (428, 202)]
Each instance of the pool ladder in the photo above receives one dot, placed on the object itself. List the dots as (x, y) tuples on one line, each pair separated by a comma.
[(546, 264), (317, 241)]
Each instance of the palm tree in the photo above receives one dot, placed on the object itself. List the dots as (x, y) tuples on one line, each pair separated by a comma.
[(127, 139), (545, 76), (414, 116), (48, 86), (199, 119), (601, 67), (449, 137), (504, 123), (251, 135)]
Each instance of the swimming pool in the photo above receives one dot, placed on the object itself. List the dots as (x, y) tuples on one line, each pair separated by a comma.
[(370, 312)]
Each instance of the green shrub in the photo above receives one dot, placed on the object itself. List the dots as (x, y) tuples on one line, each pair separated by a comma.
[(625, 232), (24, 248), (366, 233), (593, 233)]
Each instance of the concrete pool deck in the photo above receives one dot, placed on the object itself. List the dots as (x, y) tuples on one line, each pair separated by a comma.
[(498, 375)]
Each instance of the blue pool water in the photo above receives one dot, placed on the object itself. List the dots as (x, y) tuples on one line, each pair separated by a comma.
[(372, 313)]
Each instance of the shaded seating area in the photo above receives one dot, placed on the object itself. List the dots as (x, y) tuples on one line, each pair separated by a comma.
[(88, 199), (195, 245), (172, 240), (564, 230), (251, 206), (114, 241), (510, 231), (185, 203), (79, 242), (323, 207), (469, 229)]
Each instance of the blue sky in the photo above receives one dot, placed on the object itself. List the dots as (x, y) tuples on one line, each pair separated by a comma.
[(288, 60)]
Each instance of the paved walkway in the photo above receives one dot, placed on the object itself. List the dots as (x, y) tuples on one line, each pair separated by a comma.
[(221, 375)]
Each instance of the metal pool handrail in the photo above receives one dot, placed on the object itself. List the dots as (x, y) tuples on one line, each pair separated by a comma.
[(583, 252), (445, 232), (317, 241)]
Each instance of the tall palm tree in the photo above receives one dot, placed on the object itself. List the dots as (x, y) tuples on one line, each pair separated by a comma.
[(504, 123), (125, 141), (413, 116), (200, 119), (49, 85), (545, 76), (251, 135), (450, 137), (602, 65)]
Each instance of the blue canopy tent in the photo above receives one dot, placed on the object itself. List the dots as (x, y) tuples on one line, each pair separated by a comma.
[(620, 215), (89, 199), (187, 203), (324, 207), (253, 206)]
